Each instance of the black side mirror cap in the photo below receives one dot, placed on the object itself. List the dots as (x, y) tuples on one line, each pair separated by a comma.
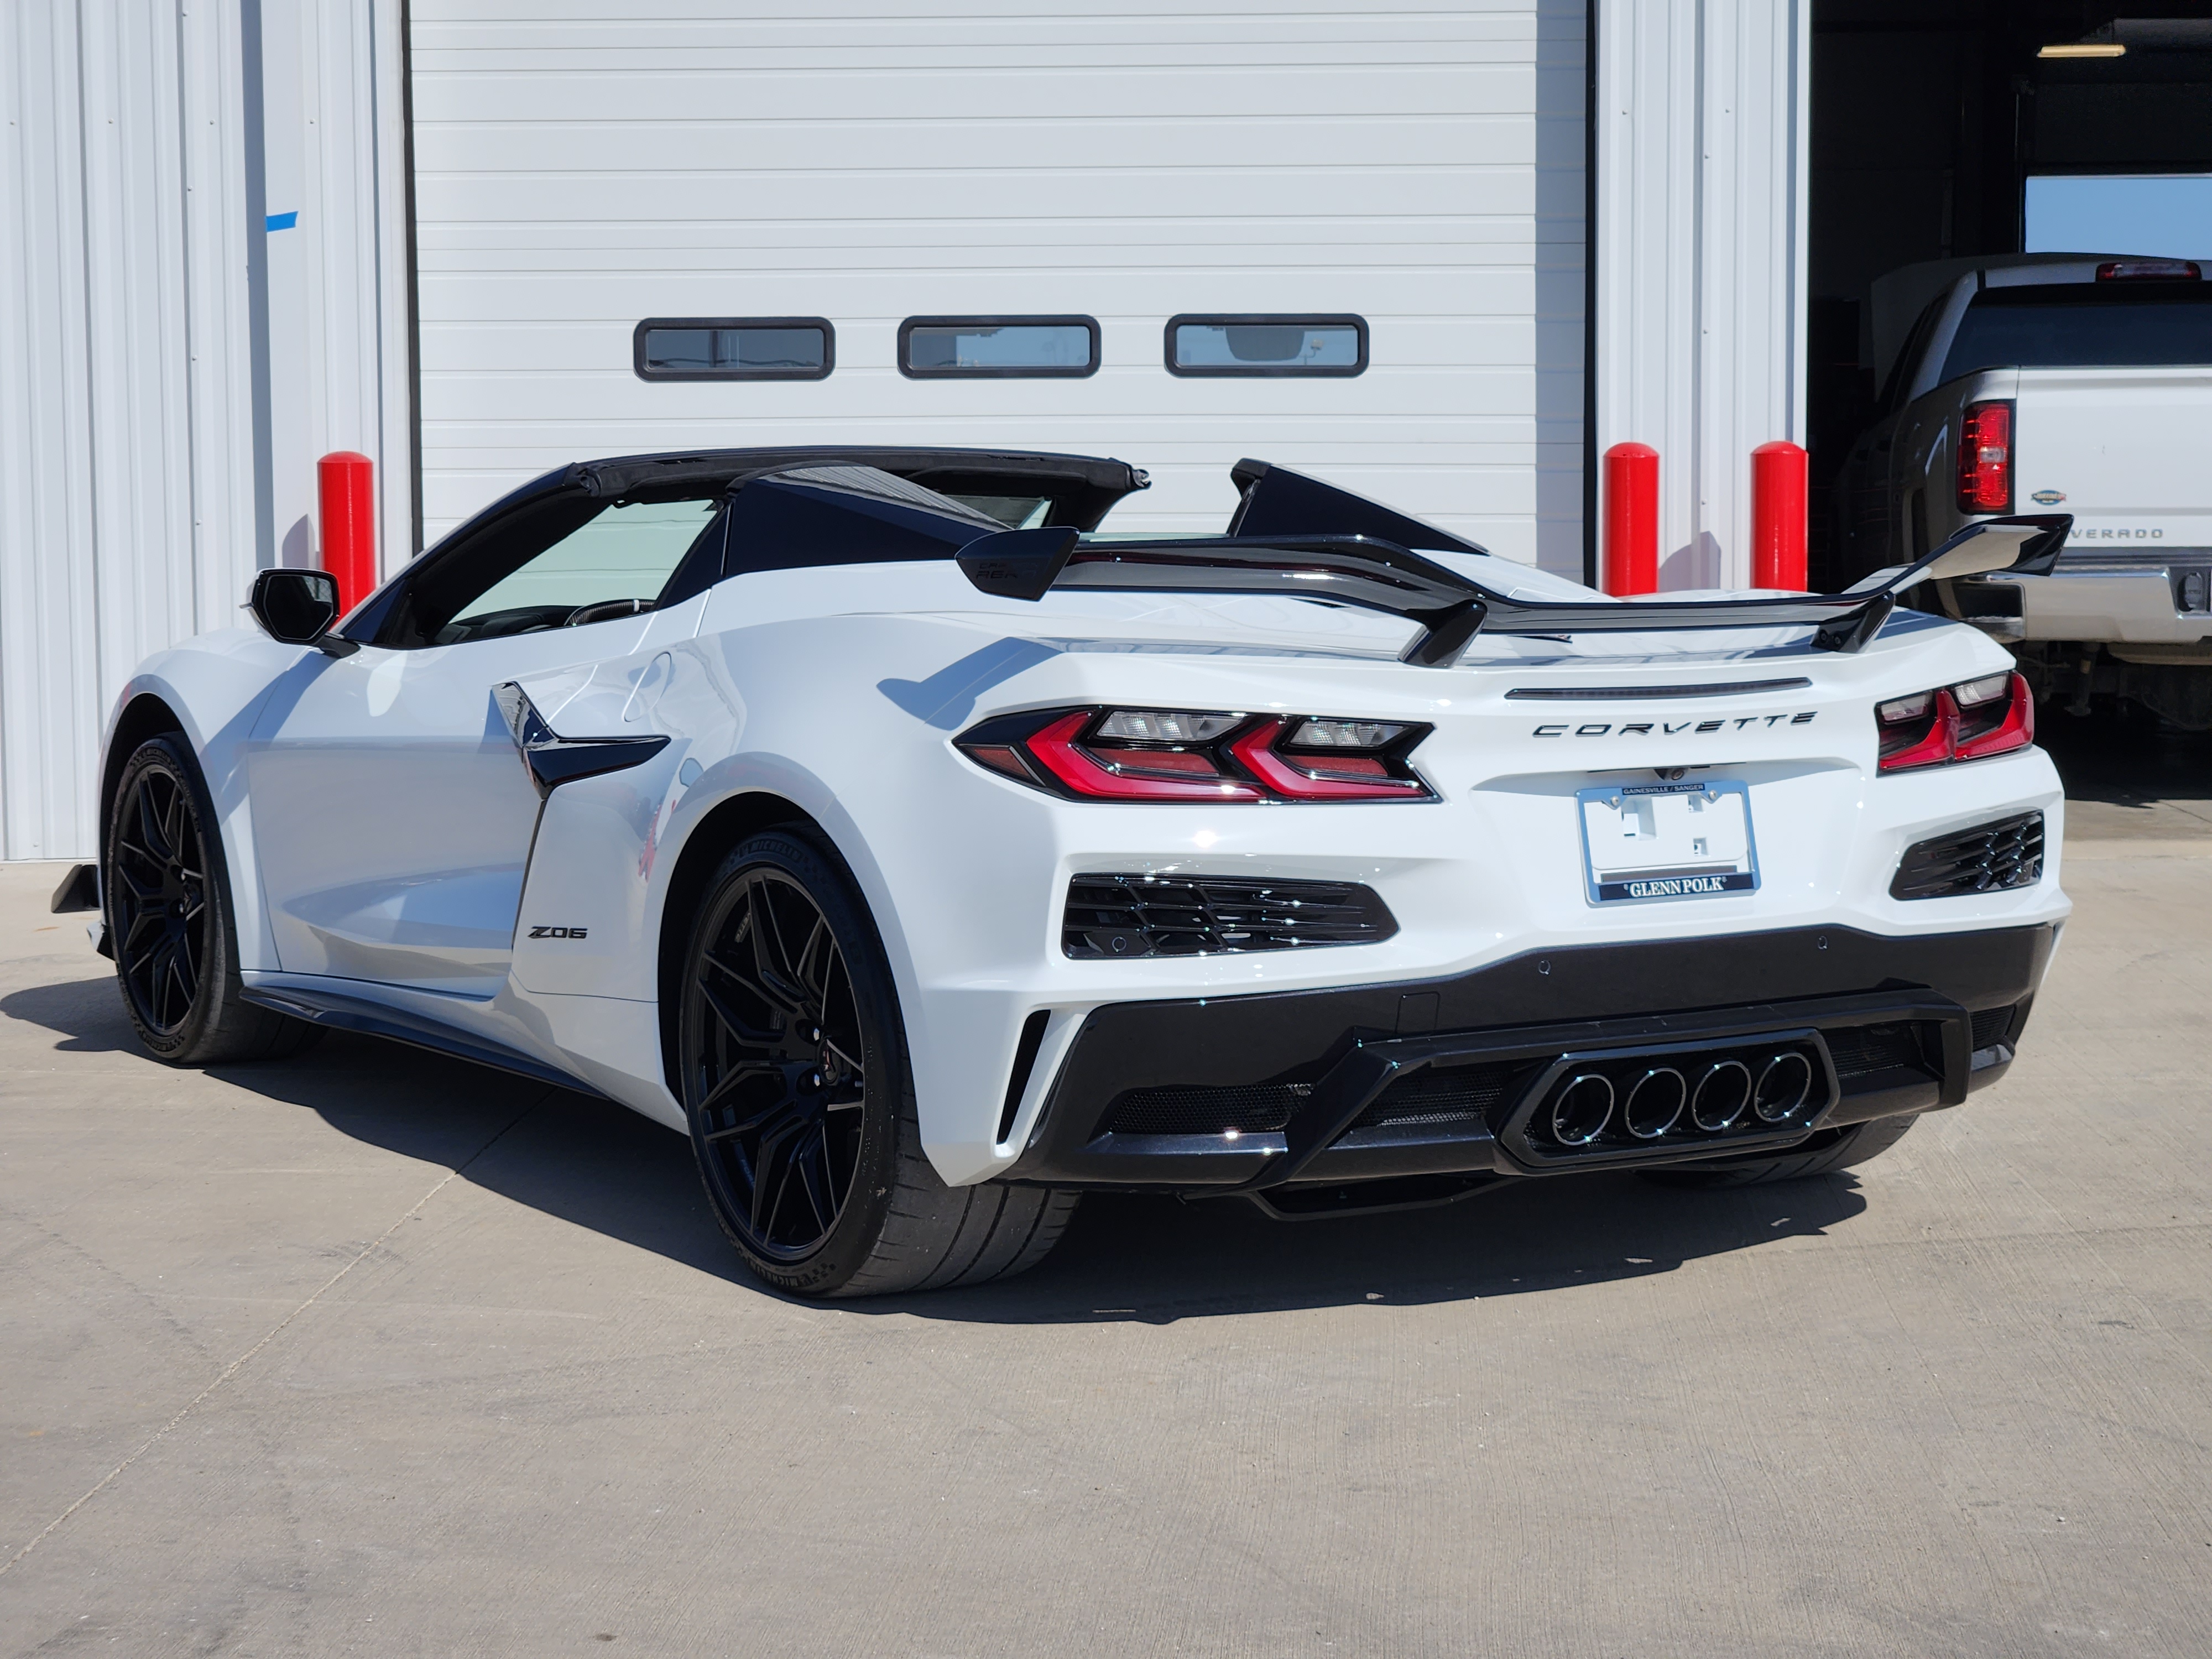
[(298, 607)]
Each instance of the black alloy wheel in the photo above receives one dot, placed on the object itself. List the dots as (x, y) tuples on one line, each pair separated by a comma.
[(775, 1059), (792, 1063), (159, 896), (169, 926)]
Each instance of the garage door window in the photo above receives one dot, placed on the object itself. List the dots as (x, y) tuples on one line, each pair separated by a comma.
[(997, 348), (734, 349), (1266, 344)]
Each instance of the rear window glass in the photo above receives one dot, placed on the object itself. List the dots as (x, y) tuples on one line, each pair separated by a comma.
[(2084, 325), (734, 349), (1266, 345), (976, 348)]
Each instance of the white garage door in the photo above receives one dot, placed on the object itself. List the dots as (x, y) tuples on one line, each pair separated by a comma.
[(579, 171)]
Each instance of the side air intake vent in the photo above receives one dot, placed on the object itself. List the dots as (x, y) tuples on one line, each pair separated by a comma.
[(1986, 859), (1247, 1109), (1110, 915)]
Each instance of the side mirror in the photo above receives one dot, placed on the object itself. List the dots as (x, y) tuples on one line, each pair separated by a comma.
[(299, 607)]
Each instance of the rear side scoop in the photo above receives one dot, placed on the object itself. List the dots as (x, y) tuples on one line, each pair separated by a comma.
[(552, 760)]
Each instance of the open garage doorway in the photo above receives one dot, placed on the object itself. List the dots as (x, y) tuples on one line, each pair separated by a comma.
[(1959, 129)]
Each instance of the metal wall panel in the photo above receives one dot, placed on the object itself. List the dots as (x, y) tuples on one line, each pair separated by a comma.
[(1702, 111), (579, 168), (153, 425)]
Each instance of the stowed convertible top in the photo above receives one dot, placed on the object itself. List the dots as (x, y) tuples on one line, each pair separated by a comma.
[(1292, 535), (1080, 488)]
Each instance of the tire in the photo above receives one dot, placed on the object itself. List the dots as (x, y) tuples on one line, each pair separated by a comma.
[(167, 893), (1838, 1149), (796, 1084)]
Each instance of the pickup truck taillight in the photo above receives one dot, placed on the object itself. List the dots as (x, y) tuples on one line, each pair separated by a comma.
[(2149, 270), (1986, 459), (1971, 720)]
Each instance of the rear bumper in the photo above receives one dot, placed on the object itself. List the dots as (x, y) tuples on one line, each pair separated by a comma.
[(2146, 601), (1449, 1077)]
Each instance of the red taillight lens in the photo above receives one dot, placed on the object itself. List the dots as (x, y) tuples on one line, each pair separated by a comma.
[(1321, 776), (1986, 459), (1129, 773), (1927, 735), (2002, 721), (1156, 755), (1971, 721)]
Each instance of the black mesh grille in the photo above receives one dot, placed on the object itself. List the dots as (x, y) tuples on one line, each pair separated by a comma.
[(1441, 1095), (1859, 1050), (1992, 1026), (1983, 860), (1175, 916), (1255, 1108)]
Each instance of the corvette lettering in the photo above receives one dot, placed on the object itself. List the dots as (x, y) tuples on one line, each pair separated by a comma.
[(556, 932), (1669, 728)]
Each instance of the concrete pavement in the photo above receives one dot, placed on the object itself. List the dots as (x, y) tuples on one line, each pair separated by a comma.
[(374, 1353)]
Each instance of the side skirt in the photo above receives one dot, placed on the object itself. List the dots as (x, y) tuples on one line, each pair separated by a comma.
[(350, 1014)]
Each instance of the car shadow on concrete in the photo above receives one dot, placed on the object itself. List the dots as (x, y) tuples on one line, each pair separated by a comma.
[(1126, 1257)]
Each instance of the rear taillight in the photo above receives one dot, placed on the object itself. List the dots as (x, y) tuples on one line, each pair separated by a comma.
[(1165, 755), (1971, 720), (1986, 459)]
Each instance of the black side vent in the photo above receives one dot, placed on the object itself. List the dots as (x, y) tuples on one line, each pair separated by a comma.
[(1862, 1050), (1986, 859), (1249, 1110), (1112, 915), (1017, 1081), (1453, 1094)]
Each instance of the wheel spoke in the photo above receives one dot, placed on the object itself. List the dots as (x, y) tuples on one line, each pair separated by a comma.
[(809, 1159), (177, 976), (776, 1146), (820, 952), (157, 984), (743, 1071), (751, 1035), (149, 826)]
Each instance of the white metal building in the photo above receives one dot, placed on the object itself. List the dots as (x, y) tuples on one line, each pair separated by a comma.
[(235, 234)]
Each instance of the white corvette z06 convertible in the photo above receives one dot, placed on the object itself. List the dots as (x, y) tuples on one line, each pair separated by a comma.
[(929, 857)]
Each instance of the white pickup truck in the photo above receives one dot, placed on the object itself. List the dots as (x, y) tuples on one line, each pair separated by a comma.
[(2065, 383)]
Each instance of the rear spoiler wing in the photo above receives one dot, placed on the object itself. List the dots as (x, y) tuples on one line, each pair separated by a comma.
[(1450, 609)]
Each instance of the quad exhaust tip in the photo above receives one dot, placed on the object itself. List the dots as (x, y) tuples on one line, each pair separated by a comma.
[(1583, 1109), (1722, 1094), (1632, 1099), (1655, 1102), (1782, 1088)]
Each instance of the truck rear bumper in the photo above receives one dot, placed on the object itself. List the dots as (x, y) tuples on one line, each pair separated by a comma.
[(2167, 602)]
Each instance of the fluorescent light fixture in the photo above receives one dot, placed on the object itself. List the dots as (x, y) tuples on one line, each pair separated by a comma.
[(2085, 49)]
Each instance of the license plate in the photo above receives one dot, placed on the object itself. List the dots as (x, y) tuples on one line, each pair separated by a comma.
[(1667, 841)]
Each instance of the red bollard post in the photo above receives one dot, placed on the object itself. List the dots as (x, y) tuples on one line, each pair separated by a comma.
[(1630, 563), (1777, 516), (346, 503)]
